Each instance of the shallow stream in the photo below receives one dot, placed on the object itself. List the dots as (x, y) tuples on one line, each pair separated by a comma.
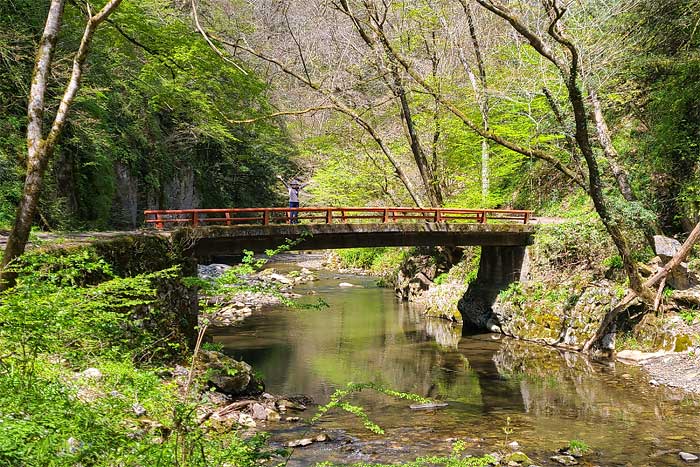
[(498, 390)]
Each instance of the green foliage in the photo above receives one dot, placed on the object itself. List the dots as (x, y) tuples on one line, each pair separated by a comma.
[(578, 447), (154, 112), (613, 262), (68, 312), (690, 316), (513, 293), (52, 309), (337, 400), (661, 143), (581, 245), (378, 260), (440, 279)]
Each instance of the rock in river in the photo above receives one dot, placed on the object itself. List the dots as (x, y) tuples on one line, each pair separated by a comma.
[(688, 457), (228, 375), (565, 460)]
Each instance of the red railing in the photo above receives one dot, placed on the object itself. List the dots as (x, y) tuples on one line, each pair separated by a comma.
[(329, 215)]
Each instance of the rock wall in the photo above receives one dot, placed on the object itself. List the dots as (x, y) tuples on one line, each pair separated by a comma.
[(417, 274), (173, 314), (567, 321), (125, 210)]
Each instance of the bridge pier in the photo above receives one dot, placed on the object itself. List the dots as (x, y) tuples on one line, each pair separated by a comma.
[(499, 267)]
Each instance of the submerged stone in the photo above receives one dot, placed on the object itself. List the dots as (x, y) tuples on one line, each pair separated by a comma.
[(565, 460)]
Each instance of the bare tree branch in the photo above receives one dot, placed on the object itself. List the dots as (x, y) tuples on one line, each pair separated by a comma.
[(281, 113), (213, 47)]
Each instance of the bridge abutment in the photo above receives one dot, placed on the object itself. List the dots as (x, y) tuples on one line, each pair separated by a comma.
[(499, 267)]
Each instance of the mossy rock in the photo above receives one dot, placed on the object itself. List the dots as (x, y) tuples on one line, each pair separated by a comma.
[(232, 377), (519, 457)]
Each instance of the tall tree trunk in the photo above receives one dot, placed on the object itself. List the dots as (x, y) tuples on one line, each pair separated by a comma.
[(431, 188), (40, 149), (619, 173), (570, 141), (483, 100), (36, 148), (596, 187), (621, 177)]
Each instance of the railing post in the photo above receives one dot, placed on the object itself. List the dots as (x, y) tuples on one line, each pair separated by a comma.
[(342, 216), (228, 218), (159, 224), (437, 216), (195, 218), (526, 218), (386, 216), (483, 217), (329, 216), (266, 217)]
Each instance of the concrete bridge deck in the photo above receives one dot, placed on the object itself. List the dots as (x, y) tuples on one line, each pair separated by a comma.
[(204, 242)]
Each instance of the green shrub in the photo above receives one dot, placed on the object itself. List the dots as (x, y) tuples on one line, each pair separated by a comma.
[(378, 260), (55, 323)]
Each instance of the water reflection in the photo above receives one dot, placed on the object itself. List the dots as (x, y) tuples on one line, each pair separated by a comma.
[(550, 396)]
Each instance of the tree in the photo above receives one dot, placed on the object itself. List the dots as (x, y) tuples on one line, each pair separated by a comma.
[(41, 146)]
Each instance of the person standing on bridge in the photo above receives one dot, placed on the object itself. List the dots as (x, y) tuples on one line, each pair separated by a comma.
[(294, 187)]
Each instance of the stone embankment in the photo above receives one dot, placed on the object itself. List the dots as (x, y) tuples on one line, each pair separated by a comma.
[(566, 312)]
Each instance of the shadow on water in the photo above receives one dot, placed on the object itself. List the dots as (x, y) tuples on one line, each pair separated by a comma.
[(546, 397)]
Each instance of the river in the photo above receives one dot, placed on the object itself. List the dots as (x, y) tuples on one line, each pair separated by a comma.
[(498, 390)]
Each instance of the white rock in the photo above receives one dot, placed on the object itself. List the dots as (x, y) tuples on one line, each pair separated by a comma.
[(282, 279), (138, 409), (92, 373), (246, 420), (299, 442), (345, 284), (514, 445), (636, 356), (564, 460), (259, 412), (688, 457)]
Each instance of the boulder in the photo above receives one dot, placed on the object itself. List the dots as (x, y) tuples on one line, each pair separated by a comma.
[(246, 420), (666, 247), (259, 412), (680, 278), (518, 457), (281, 279), (232, 377)]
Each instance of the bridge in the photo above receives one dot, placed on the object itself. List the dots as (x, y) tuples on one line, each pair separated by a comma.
[(502, 235), (213, 232)]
